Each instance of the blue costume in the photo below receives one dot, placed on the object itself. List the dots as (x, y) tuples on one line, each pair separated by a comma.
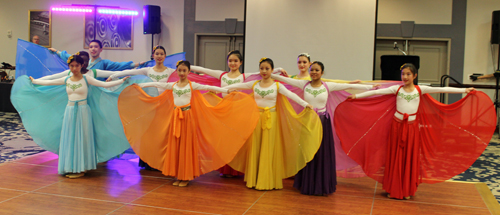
[(102, 64), (82, 132)]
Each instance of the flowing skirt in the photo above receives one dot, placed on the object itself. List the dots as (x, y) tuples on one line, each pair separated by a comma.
[(227, 170), (182, 157), (402, 167), (77, 144), (265, 168), (319, 176)]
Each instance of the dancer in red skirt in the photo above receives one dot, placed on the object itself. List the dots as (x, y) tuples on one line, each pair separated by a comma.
[(404, 137)]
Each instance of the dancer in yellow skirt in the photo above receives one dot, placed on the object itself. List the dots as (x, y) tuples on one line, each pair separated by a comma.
[(283, 141)]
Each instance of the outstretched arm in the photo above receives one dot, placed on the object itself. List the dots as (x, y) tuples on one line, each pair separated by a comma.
[(141, 71), (59, 81), (62, 54), (240, 86), (332, 86), (65, 73), (197, 86), (93, 81), (294, 82), (118, 66), (275, 71), (211, 72), (427, 89), (102, 73), (283, 90), (390, 90), (163, 85)]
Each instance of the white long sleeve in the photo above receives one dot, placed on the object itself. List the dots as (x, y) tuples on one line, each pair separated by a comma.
[(275, 71), (56, 76), (266, 97), (197, 86), (211, 72), (101, 73), (162, 85), (59, 81), (332, 86), (283, 90), (141, 71), (427, 89), (408, 102), (240, 86), (385, 91), (97, 83), (294, 82)]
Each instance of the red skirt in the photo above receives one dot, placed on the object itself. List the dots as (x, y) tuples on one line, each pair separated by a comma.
[(227, 170), (402, 166)]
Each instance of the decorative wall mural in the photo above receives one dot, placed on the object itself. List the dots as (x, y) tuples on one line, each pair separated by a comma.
[(114, 31)]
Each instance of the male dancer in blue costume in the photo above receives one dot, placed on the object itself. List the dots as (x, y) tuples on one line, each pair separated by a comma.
[(96, 62)]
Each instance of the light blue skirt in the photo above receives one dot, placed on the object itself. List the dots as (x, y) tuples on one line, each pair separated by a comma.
[(77, 144)]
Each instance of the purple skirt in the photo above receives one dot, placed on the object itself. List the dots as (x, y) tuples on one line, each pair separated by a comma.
[(319, 177)]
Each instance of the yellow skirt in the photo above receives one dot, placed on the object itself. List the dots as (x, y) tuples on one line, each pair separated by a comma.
[(281, 145)]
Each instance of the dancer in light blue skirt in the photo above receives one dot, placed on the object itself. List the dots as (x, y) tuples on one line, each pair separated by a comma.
[(81, 137)]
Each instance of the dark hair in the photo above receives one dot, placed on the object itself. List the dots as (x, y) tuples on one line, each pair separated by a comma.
[(76, 58), (268, 60), (320, 65), (159, 47), (235, 52), (185, 63), (410, 66), (305, 55), (96, 41), (84, 54)]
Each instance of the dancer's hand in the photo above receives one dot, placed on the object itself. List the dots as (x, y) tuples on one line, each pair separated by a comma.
[(284, 73), (310, 106), (124, 79), (353, 96), (355, 82), (31, 78), (109, 79), (52, 50), (376, 86), (468, 90)]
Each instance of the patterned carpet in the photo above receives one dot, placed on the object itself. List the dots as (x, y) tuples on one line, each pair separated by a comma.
[(15, 143)]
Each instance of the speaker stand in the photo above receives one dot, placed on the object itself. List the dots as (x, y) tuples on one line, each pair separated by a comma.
[(152, 46)]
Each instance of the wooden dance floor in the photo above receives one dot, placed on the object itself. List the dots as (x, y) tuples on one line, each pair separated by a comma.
[(32, 186)]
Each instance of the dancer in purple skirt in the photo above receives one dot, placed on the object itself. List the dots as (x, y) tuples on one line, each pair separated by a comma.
[(319, 176)]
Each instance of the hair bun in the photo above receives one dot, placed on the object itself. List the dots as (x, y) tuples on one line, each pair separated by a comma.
[(262, 59)]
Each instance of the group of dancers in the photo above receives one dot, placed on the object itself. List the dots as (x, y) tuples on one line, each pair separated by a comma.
[(266, 126)]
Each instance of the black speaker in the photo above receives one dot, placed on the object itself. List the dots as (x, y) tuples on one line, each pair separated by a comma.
[(151, 19), (495, 27), (391, 64)]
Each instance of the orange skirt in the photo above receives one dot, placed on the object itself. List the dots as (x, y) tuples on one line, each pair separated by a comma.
[(182, 154)]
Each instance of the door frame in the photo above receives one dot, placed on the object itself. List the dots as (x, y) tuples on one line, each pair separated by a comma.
[(448, 48), (197, 35)]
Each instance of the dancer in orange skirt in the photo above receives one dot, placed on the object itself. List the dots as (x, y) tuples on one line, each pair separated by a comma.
[(179, 132)]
